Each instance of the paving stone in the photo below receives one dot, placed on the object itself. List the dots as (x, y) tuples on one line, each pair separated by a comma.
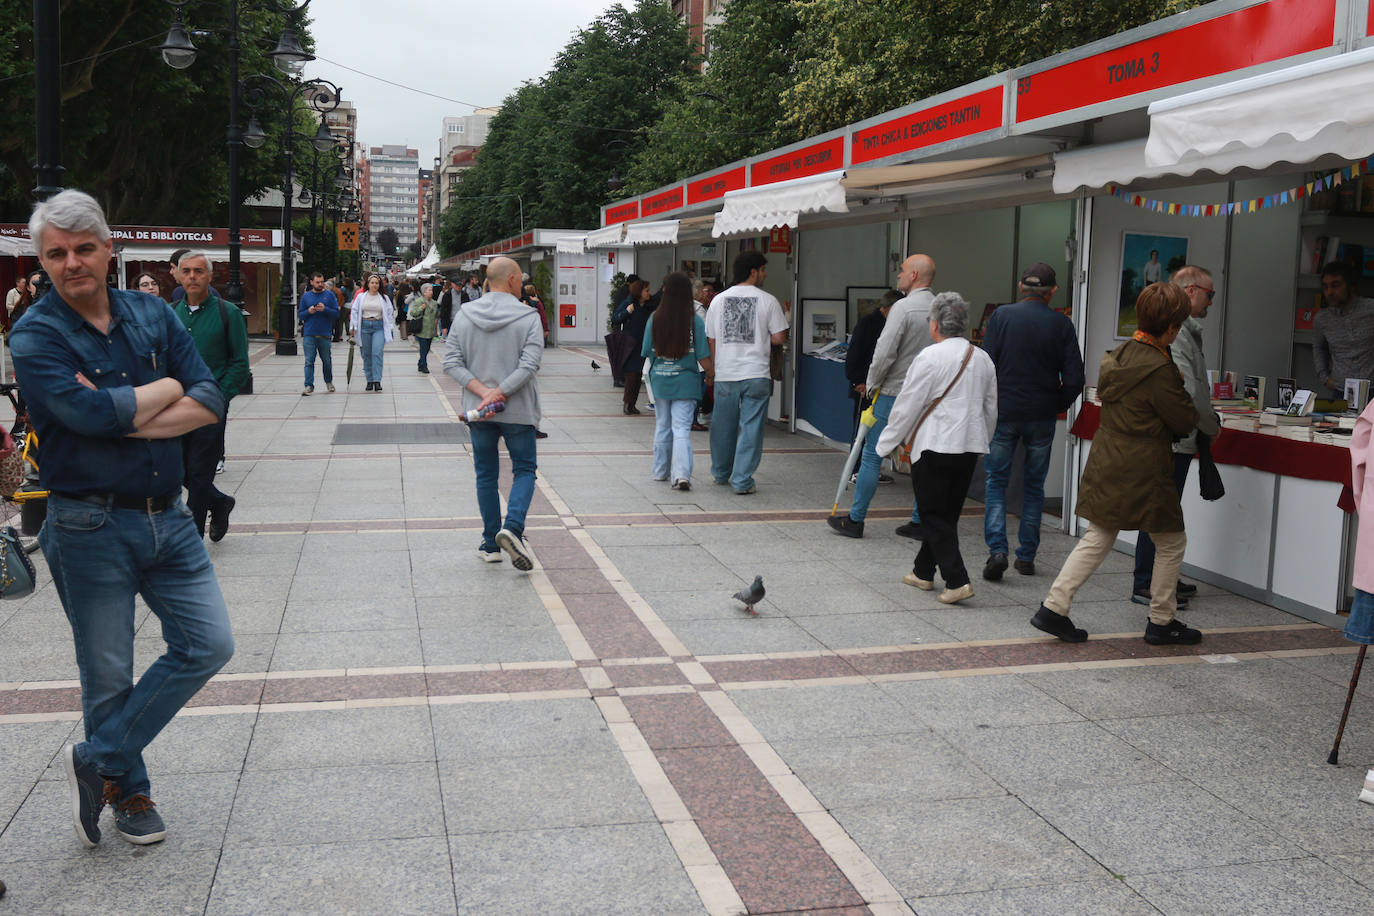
[(1301, 887), (1060, 754), (1083, 898), (824, 712), (200, 744), (622, 868), (475, 731), (351, 649), (127, 881), (409, 876), (1314, 810), (340, 737), (27, 748), (978, 702)]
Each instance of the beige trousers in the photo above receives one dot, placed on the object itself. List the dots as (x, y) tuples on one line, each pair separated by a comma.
[(1093, 548)]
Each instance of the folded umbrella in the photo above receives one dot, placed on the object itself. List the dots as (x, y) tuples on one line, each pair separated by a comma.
[(866, 421), (348, 373)]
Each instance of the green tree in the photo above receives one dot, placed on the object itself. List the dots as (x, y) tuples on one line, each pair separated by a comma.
[(859, 58), (733, 109), (144, 139), (556, 142), (388, 242)]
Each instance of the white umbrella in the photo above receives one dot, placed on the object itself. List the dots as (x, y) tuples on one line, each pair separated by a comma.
[(866, 421)]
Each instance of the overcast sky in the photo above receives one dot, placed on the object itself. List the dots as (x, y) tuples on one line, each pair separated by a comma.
[(472, 52)]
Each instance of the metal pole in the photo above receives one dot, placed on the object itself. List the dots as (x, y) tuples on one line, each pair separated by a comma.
[(286, 312), (47, 92), (233, 292)]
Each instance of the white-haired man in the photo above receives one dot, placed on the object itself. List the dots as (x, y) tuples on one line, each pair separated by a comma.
[(112, 381)]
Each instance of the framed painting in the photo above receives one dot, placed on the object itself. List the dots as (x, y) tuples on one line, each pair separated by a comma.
[(1145, 259), (823, 323), (862, 300)]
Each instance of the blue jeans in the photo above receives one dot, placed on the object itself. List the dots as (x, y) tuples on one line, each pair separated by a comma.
[(312, 346), (737, 430), (1144, 547), (425, 344), (673, 438), (870, 464), (487, 463), (100, 558), (1038, 437), (373, 340)]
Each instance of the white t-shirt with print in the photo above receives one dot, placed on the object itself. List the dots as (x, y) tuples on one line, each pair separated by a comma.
[(741, 321)]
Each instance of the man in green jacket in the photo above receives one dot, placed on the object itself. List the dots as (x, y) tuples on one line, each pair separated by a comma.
[(222, 339)]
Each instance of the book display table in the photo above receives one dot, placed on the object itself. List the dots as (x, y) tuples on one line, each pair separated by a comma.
[(1281, 534)]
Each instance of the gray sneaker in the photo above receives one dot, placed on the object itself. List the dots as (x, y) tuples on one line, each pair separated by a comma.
[(515, 548), (329, 386), (307, 391), (136, 817), (88, 796)]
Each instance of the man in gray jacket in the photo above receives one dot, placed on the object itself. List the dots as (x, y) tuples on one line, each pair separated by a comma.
[(1192, 365), (906, 333), (494, 349)]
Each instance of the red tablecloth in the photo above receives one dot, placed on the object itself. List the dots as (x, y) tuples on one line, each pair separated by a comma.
[(1274, 454)]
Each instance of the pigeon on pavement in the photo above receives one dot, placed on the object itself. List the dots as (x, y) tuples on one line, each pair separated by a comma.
[(595, 365), (750, 596)]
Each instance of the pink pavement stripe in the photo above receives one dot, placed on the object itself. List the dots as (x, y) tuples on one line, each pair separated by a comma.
[(777, 866)]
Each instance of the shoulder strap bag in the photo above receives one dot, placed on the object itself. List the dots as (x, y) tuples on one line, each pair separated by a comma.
[(930, 408)]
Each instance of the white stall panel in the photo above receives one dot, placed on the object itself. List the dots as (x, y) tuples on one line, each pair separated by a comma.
[(1231, 537), (1307, 544)]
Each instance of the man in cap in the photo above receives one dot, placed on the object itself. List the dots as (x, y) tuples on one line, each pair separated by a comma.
[(1039, 374)]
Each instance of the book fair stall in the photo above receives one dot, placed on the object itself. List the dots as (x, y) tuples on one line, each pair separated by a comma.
[(1234, 136)]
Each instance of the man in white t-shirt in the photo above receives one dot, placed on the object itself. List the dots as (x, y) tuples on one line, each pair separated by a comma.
[(742, 324)]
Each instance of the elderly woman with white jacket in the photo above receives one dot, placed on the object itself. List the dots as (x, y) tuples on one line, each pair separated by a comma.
[(947, 408)]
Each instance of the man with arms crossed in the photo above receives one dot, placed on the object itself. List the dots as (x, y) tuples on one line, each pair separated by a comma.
[(112, 379)]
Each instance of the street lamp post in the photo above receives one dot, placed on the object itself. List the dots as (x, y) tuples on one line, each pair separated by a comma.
[(47, 93), (322, 96), (178, 52)]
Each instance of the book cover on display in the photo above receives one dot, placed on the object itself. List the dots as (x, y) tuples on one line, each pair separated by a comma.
[(1252, 392), (1286, 388), (1356, 393), (1302, 404)]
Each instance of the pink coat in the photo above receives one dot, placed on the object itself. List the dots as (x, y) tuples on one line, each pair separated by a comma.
[(1362, 480)]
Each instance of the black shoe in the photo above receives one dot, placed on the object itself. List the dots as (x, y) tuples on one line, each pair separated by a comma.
[(631, 411), (843, 524), (540, 434), (995, 566), (911, 531), (1057, 625), (369, 386), (219, 518), (1173, 633), (618, 384), (424, 370), (1024, 567), (1180, 602), (1186, 588), (136, 818), (88, 796)]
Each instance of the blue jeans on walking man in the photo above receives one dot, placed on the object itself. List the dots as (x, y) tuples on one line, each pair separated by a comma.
[(1038, 438), (486, 461), (318, 345), (870, 464), (102, 557), (737, 431)]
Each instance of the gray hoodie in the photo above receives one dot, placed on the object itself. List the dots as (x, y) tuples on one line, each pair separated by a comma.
[(499, 341)]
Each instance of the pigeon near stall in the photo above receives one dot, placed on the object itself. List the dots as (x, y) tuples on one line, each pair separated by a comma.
[(595, 365), (751, 596)]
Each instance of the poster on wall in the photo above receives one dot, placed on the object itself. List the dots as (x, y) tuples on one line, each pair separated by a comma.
[(1145, 259), (824, 323), (862, 300)]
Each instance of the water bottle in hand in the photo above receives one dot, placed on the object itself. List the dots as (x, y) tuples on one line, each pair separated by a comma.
[(482, 413)]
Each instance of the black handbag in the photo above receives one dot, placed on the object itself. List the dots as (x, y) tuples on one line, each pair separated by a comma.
[(1209, 478), (16, 569)]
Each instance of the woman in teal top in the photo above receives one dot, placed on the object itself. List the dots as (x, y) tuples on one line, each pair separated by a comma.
[(674, 344)]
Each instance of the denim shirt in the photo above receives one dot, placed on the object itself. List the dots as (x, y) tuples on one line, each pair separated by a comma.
[(83, 433)]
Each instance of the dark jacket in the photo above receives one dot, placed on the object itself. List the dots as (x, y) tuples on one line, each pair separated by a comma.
[(861, 345), (1039, 365), (632, 323), (1128, 483)]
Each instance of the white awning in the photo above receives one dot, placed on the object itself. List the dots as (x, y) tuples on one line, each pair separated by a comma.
[(471, 264), (609, 237), (571, 244), (781, 204), (14, 246), (663, 232), (135, 253), (1297, 114)]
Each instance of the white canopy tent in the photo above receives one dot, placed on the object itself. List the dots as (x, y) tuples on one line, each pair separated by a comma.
[(571, 244), (609, 237), (426, 265), (663, 232), (14, 247)]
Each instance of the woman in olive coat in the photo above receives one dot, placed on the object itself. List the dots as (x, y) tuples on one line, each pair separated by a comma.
[(1128, 482)]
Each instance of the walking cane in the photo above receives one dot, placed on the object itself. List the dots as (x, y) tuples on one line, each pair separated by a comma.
[(1354, 679)]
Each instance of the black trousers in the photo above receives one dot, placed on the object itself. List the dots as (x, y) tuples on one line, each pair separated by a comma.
[(941, 483), (200, 452), (633, 382)]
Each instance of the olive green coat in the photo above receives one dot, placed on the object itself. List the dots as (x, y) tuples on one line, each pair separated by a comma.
[(1128, 483)]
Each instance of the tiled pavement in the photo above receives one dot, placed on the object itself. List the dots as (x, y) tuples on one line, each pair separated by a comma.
[(405, 729)]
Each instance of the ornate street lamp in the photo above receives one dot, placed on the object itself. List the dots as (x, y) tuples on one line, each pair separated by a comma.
[(179, 52), (323, 97)]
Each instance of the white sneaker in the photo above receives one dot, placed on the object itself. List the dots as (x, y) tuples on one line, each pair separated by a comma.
[(515, 547), (329, 386), (219, 468), (307, 391), (489, 556)]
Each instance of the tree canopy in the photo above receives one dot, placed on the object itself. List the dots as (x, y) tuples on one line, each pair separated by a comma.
[(146, 140)]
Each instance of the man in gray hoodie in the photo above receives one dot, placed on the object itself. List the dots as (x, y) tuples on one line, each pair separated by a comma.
[(494, 349)]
